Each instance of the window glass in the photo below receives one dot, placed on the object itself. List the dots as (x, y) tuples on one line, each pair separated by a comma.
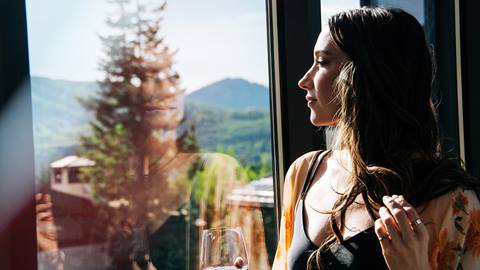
[(57, 175), (440, 35), (414, 7), (151, 124), (331, 7), (419, 9)]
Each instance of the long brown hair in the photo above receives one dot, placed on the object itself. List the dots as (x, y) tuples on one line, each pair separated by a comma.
[(387, 120)]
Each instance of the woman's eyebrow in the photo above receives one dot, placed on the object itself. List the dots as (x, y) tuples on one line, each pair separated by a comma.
[(324, 52)]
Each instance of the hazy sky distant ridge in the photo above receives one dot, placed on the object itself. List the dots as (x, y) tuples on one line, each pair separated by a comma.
[(215, 39)]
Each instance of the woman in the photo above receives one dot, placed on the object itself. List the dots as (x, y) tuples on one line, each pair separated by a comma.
[(386, 196)]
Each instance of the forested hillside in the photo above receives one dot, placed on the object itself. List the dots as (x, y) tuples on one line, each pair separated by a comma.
[(230, 116)]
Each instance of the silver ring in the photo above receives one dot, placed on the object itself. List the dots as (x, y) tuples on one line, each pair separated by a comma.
[(417, 221), (381, 238)]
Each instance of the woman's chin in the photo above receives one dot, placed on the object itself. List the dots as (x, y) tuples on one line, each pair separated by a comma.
[(316, 121), (163, 120), (319, 122), (155, 124)]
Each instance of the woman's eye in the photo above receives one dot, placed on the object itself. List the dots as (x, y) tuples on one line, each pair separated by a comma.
[(322, 62)]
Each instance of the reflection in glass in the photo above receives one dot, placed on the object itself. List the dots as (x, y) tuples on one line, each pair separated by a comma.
[(138, 179), (223, 249)]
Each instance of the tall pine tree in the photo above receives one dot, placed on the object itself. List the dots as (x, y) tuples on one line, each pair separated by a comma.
[(137, 62)]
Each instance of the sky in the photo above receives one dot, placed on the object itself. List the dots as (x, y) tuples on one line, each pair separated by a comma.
[(214, 39)]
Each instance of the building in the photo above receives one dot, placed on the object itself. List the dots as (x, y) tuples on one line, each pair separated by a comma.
[(64, 176)]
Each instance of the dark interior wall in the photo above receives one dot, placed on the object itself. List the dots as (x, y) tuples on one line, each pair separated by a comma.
[(17, 212), (298, 27), (470, 38)]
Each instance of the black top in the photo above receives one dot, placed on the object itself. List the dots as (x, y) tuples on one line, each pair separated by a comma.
[(362, 251), (168, 245)]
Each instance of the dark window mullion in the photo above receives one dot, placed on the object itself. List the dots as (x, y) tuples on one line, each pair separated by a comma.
[(18, 246), (296, 25), (471, 82)]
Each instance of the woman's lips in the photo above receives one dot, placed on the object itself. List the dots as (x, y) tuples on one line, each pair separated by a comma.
[(153, 109), (310, 100)]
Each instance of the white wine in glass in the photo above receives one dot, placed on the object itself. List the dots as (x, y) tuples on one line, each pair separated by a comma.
[(223, 249)]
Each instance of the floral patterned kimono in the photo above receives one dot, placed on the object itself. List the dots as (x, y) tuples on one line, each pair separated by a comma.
[(452, 221)]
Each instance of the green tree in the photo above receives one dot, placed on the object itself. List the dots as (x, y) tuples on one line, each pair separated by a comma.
[(137, 62), (138, 72)]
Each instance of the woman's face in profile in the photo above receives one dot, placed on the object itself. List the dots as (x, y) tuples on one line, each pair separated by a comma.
[(165, 114), (318, 81), (165, 106)]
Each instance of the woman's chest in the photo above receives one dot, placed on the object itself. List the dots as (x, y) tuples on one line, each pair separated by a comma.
[(319, 201)]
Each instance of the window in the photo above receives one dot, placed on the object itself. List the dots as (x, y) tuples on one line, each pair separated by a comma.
[(73, 175), (154, 119), (331, 7), (57, 175)]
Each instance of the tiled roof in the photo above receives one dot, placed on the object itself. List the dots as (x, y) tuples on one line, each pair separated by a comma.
[(72, 161), (258, 193)]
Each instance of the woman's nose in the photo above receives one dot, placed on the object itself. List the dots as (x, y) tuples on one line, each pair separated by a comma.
[(306, 81)]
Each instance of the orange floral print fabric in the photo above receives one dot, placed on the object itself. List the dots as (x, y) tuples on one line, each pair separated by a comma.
[(443, 255), (454, 230), (472, 243)]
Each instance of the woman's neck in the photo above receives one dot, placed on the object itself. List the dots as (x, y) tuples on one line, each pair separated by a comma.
[(161, 147), (164, 135), (342, 160)]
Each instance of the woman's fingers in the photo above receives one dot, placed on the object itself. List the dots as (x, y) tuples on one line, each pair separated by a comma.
[(43, 197), (44, 216), (43, 207), (408, 238), (411, 213), (382, 234), (402, 221), (406, 219), (415, 221), (389, 224)]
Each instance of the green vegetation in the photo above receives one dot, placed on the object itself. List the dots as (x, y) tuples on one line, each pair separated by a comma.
[(244, 134), (57, 130)]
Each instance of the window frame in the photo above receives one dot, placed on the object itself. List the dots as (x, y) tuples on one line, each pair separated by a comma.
[(293, 27), (470, 57), (18, 243)]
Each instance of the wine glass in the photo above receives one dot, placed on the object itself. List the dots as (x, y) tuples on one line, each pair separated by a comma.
[(223, 249)]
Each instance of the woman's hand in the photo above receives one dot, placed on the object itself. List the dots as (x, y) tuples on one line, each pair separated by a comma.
[(402, 235), (47, 238)]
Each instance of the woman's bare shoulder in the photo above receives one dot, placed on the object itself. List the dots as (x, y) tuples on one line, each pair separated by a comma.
[(304, 160), (297, 172)]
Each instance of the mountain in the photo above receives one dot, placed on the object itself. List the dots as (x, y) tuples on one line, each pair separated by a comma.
[(246, 132), (231, 113), (231, 94), (58, 118)]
